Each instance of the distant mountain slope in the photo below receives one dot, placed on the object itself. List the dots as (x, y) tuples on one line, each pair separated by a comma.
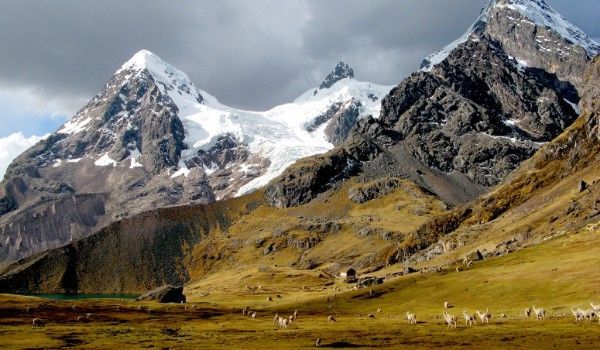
[(151, 139), (462, 125)]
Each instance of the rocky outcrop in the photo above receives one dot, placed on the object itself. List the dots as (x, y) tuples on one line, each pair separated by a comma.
[(165, 294), (341, 71), (365, 192), (340, 118), (309, 177)]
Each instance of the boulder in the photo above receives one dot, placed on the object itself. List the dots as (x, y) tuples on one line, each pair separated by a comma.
[(165, 294), (474, 256), (369, 281)]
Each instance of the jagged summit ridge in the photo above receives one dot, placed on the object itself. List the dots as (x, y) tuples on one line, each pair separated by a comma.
[(341, 71)]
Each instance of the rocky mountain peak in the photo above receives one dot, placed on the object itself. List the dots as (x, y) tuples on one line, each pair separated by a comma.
[(534, 34), (341, 71), (540, 13), (164, 74)]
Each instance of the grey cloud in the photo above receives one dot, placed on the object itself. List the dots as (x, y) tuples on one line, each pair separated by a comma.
[(250, 54)]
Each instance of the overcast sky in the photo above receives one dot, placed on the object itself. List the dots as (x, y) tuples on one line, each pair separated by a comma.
[(55, 55)]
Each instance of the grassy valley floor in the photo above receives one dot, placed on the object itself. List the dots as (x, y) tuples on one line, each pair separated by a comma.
[(557, 275)]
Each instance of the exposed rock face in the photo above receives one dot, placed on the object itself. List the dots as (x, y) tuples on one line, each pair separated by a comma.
[(42, 226), (563, 160), (475, 113), (340, 118), (165, 294), (461, 126), (132, 255), (309, 177), (341, 71)]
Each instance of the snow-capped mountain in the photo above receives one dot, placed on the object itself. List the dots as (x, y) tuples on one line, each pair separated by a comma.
[(534, 34), (273, 139), (151, 138)]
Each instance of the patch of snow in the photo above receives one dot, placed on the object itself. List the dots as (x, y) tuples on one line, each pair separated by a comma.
[(213, 167), (74, 126), (574, 106), (520, 64), (73, 160), (105, 160), (57, 163), (181, 171), (134, 156)]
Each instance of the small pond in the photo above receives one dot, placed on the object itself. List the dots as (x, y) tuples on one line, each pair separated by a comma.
[(84, 296)]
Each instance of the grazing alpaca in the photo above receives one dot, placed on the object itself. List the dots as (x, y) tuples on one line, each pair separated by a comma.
[(528, 312), (577, 314), (318, 342), (539, 313), (81, 318), (412, 319), (451, 320), (469, 319), (276, 318), (588, 314), (371, 316), (447, 305), (291, 318), (253, 315), (295, 314), (378, 311), (74, 307), (595, 307), (331, 318), (283, 322), (37, 322), (269, 298), (485, 317)]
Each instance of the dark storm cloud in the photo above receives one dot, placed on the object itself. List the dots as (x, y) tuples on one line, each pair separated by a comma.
[(251, 54)]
